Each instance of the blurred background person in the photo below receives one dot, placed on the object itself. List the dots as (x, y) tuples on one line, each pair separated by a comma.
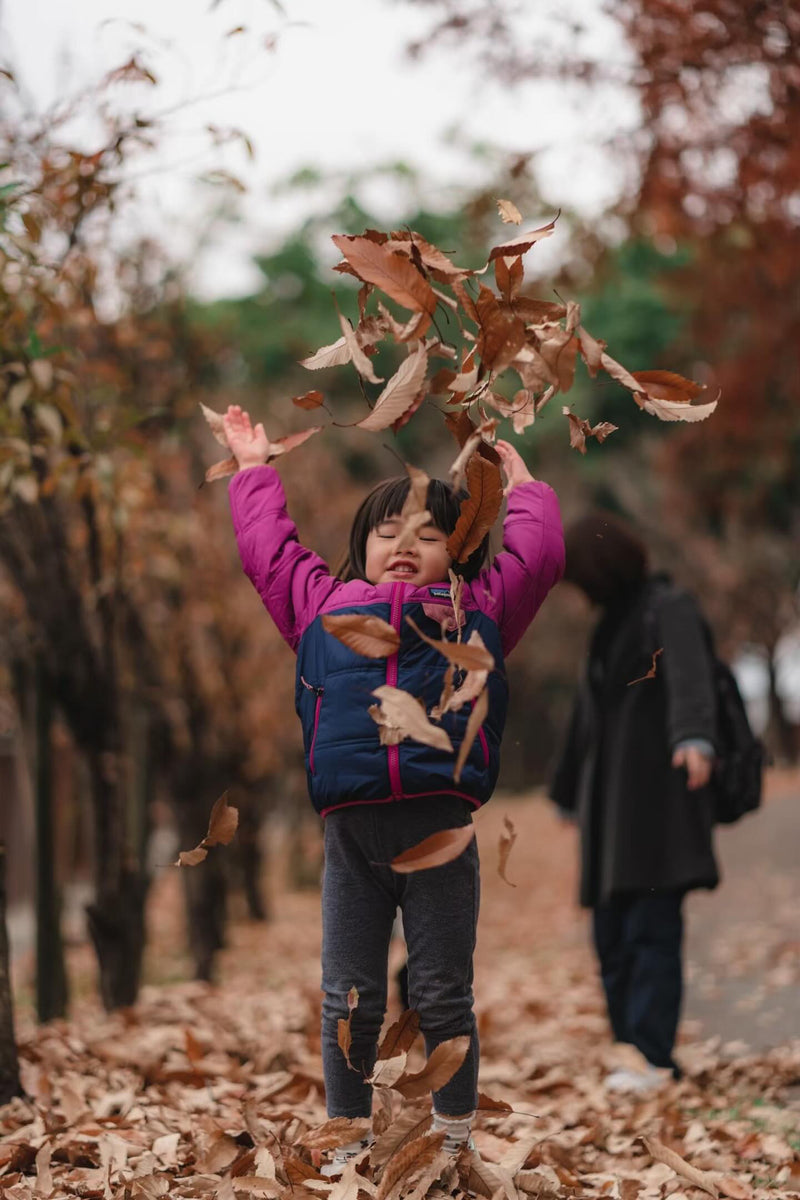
[(634, 775)]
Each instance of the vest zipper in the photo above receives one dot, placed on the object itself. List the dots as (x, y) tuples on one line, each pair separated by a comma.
[(392, 671)]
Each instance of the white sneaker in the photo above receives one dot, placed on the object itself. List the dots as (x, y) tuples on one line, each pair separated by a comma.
[(342, 1156), (641, 1081)]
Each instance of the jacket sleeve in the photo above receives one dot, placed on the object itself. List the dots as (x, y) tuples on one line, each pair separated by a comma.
[(292, 581), (688, 677), (531, 562)]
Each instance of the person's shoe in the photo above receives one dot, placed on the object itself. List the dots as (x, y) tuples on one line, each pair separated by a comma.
[(342, 1156), (640, 1081)]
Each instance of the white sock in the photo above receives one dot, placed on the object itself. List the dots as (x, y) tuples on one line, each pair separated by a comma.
[(456, 1130)]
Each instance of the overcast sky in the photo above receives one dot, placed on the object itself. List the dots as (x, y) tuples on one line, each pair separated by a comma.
[(325, 83)]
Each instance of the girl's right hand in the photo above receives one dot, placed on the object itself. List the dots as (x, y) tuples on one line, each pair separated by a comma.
[(513, 464), (249, 446)]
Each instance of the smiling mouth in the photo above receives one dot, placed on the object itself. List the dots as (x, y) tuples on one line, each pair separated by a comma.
[(403, 567)]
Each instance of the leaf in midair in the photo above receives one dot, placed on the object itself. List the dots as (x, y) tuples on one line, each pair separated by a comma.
[(669, 396), (559, 350), (334, 355), (509, 213), (336, 1132), (456, 592), (442, 707), (591, 349), (488, 1104), (220, 470), (401, 1035), (222, 826), (663, 1154), (580, 429), (431, 257), (434, 851), (469, 656), (392, 273), (537, 312), (416, 327), (230, 466), (407, 535), (290, 441), (507, 839), (407, 1163), (403, 717), (522, 243), (344, 1030), (480, 509), (411, 1124), (215, 424), (447, 1057), (370, 636), (501, 337), (478, 715), (651, 674), (509, 274), (357, 356), (387, 1071), (400, 392), (309, 400)]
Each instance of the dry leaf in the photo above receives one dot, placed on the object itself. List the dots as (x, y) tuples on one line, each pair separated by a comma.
[(523, 242), (400, 392), (407, 1162), (651, 674), (370, 636), (412, 1122), (507, 840), (479, 511), (221, 827), (336, 1132), (509, 212), (344, 1030), (403, 716), (478, 715), (400, 1036), (444, 1061), (591, 350), (309, 400), (392, 273), (469, 656), (359, 359), (580, 429), (663, 1154), (433, 851), (334, 355), (387, 1071)]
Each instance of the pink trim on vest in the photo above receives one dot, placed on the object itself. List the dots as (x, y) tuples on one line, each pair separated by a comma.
[(403, 796)]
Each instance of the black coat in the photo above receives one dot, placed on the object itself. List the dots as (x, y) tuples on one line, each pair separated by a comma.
[(641, 827)]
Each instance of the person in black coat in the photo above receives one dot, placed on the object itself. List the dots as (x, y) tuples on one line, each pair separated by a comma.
[(634, 776)]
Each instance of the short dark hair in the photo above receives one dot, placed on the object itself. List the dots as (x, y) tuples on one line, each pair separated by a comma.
[(604, 557), (386, 500)]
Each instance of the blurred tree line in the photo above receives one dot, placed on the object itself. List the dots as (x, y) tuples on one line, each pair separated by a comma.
[(125, 613)]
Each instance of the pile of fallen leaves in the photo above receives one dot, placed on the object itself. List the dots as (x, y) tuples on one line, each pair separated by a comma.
[(202, 1092)]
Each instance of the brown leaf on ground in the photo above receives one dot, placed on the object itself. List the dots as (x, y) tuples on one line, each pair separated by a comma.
[(407, 1163), (507, 839), (433, 851), (480, 710), (402, 716), (370, 636), (400, 392), (309, 400), (445, 1059), (509, 213), (392, 273), (469, 656), (401, 1035), (680, 1166), (412, 1122), (651, 674), (222, 826), (479, 511)]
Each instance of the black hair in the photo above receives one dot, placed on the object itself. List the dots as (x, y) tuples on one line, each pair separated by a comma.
[(604, 557), (387, 500)]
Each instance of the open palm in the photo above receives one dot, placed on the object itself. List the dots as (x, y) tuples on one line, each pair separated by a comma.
[(249, 445)]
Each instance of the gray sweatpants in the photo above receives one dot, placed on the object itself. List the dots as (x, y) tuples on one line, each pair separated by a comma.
[(360, 896)]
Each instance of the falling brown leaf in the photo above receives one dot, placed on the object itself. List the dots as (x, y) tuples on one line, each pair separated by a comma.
[(434, 851), (507, 839), (359, 359), (431, 257), (334, 355), (509, 275), (222, 826), (400, 392), (509, 213), (591, 350), (309, 400), (523, 242), (651, 674), (336, 1132), (403, 716), (370, 636), (480, 509), (387, 1071), (392, 273), (580, 429), (344, 1028), (468, 656), (413, 1122), (444, 1060), (697, 1178), (488, 1104), (408, 1162), (401, 1035), (480, 710)]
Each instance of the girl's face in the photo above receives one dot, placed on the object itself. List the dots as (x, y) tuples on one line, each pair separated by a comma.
[(427, 560)]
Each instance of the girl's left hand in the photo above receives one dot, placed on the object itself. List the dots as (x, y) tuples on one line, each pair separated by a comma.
[(513, 465)]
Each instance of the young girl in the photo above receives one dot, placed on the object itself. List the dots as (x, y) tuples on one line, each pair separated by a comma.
[(379, 800)]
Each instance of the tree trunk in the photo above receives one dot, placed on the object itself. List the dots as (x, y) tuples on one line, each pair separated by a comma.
[(780, 731), (51, 975), (116, 916), (250, 857), (205, 886), (9, 1067)]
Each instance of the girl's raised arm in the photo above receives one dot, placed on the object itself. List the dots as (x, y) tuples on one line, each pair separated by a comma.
[(532, 559), (292, 581)]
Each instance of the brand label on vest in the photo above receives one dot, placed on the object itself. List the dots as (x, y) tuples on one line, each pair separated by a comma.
[(439, 591)]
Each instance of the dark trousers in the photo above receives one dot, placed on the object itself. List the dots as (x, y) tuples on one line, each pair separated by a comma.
[(360, 898), (638, 937)]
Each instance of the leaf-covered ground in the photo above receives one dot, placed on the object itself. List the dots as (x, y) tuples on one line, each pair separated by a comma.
[(212, 1092)]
